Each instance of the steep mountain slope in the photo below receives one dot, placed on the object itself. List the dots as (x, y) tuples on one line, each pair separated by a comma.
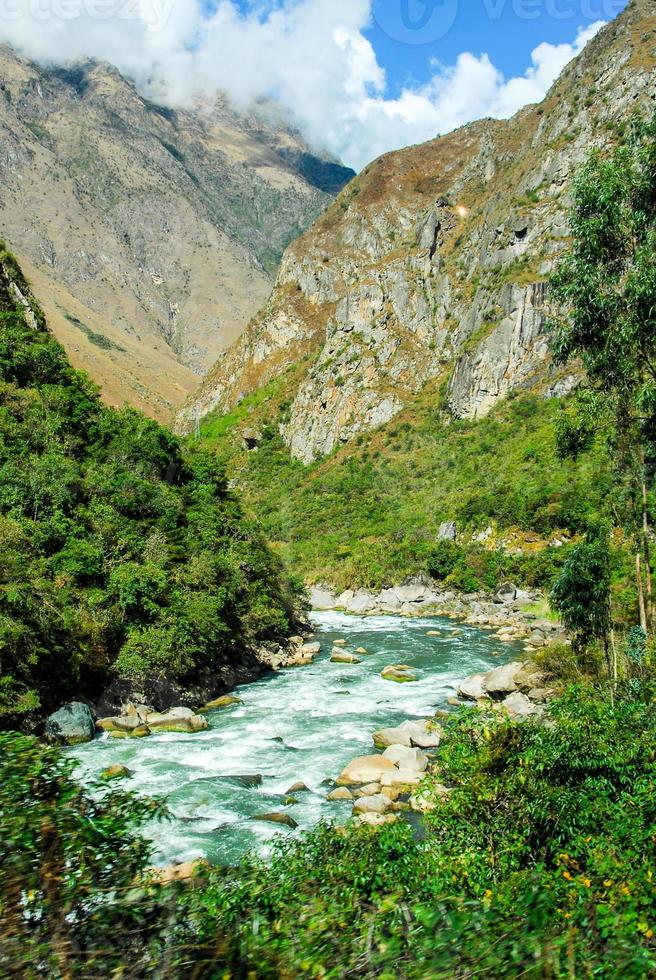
[(122, 553), (431, 267), (150, 236)]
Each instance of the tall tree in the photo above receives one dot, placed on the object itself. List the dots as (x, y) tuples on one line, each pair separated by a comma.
[(605, 289)]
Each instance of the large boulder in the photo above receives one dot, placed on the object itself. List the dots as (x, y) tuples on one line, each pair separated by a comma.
[(507, 593), (342, 657), (391, 736), (413, 760), (71, 725), (365, 769), (283, 819), (472, 688), (422, 734), (501, 681), (371, 804), (181, 720)]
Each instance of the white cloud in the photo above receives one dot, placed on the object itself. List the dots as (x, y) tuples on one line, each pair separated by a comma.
[(310, 55)]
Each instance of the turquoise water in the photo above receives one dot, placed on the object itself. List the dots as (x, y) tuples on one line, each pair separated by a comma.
[(302, 724)]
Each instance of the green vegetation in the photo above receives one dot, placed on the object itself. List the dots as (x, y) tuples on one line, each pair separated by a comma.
[(371, 513), (607, 291), (121, 552), (539, 863), (69, 904), (98, 339)]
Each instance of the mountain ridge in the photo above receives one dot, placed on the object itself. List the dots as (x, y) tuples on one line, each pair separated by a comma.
[(432, 264), (151, 234)]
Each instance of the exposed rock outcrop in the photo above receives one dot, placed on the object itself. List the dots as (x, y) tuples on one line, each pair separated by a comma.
[(432, 265)]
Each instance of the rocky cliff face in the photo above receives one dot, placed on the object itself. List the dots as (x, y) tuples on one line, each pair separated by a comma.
[(433, 263), (150, 236)]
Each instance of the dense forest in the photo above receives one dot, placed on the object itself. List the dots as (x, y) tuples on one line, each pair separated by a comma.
[(536, 855), (121, 551)]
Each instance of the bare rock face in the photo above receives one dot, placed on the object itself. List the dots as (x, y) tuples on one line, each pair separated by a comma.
[(131, 223), (432, 266)]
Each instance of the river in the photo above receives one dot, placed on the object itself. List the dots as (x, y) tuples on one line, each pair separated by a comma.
[(302, 724)]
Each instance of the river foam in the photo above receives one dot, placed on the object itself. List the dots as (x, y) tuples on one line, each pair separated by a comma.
[(298, 725)]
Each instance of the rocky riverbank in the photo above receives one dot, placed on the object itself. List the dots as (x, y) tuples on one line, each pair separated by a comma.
[(130, 708), (384, 785), (513, 613)]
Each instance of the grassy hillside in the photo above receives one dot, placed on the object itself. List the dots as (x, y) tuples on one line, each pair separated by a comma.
[(371, 512), (121, 552)]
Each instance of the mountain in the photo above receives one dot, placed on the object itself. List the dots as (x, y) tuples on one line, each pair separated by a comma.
[(151, 236), (431, 268)]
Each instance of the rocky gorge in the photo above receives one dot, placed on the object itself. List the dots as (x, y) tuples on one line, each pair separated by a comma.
[(432, 267)]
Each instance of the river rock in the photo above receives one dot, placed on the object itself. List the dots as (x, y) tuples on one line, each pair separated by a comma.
[(143, 731), (506, 594), (186, 871), (422, 735), (391, 736), (401, 777), (340, 794), (339, 643), (371, 789), (501, 680), (298, 788), (283, 819), (518, 707), (219, 704), (377, 819), (412, 760), (115, 772), (342, 657), (248, 781), (365, 769), (181, 720), (398, 674), (472, 687), (362, 652), (530, 676), (434, 633), (121, 723), (371, 804), (71, 725)]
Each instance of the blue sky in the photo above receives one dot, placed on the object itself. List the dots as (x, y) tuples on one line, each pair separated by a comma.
[(507, 30), (356, 77)]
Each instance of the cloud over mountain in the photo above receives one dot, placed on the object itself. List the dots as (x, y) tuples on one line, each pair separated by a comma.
[(312, 56)]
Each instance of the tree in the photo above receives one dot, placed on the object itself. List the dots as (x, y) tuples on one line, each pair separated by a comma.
[(581, 593), (605, 289)]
